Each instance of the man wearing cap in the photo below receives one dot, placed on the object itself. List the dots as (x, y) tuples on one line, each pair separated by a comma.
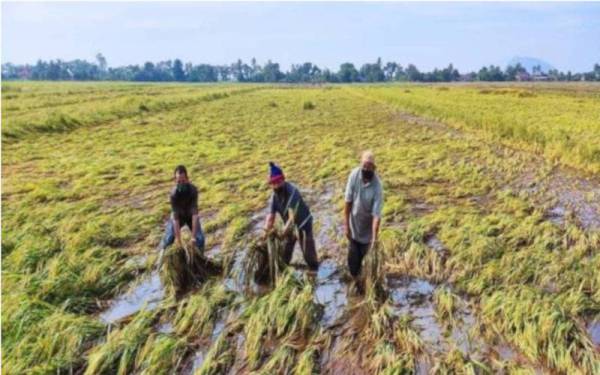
[(362, 212), (287, 201)]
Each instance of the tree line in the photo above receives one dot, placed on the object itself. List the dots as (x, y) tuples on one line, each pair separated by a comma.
[(239, 71)]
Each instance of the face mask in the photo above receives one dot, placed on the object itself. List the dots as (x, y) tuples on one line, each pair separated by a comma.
[(183, 188), (367, 174)]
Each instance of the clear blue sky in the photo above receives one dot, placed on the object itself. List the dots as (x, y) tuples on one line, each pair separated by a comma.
[(567, 35)]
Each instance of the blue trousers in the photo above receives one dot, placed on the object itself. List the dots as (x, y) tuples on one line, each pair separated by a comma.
[(169, 236)]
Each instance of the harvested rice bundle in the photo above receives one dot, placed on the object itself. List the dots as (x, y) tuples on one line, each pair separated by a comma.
[(264, 262), (373, 275), (184, 267)]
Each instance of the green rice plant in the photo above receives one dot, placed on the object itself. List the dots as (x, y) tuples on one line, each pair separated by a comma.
[(446, 305), (307, 361), (161, 354), (53, 344), (281, 361), (387, 361), (374, 277), (184, 268), (118, 354), (454, 362), (308, 105), (540, 328), (264, 260), (219, 358), (407, 340), (196, 316), (289, 312)]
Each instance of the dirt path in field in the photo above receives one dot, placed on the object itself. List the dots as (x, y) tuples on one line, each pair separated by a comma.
[(566, 193)]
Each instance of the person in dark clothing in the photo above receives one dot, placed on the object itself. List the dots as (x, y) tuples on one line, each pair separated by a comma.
[(287, 201), (184, 206)]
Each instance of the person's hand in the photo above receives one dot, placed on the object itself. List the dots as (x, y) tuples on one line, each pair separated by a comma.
[(265, 234), (374, 243), (347, 232), (287, 230)]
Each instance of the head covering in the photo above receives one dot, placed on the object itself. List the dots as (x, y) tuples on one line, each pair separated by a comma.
[(275, 173), (368, 157)]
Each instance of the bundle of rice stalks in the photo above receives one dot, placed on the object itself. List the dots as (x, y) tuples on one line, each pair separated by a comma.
[(264, 261), (184, 268), (373, 275)]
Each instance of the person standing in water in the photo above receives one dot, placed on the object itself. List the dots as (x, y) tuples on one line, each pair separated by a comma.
[(362, 211), (287, 201)]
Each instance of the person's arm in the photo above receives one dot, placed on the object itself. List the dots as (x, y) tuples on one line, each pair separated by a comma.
[(174, 215), (375, 234), (377, 209), (195, 218), (347, 211), (195, 221), (177, 228), (287, 228), (348, 198), (270, 220)]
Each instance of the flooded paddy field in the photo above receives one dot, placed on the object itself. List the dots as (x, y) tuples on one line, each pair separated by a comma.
[(488, 255)]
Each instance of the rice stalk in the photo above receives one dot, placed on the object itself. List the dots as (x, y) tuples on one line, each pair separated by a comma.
[(184, 268)]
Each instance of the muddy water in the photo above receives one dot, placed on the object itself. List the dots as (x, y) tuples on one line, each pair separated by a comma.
[(593, 329), (330, 291), (581, 195), (435, 244), (414, 297), (147, 293), (199, 356)]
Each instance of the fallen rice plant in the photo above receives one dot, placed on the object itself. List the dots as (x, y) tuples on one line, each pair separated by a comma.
[(184, 268)]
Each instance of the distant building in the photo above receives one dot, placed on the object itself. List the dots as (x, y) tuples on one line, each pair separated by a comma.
[(523, 76), (540, 76), (469, 77)]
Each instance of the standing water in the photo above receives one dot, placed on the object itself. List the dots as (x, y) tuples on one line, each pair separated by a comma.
[(148, 292)]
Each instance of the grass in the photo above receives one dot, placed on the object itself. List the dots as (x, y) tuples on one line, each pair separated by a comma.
[(86, 170)]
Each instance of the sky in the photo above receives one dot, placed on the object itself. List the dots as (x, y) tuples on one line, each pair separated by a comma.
[(469, 35)]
